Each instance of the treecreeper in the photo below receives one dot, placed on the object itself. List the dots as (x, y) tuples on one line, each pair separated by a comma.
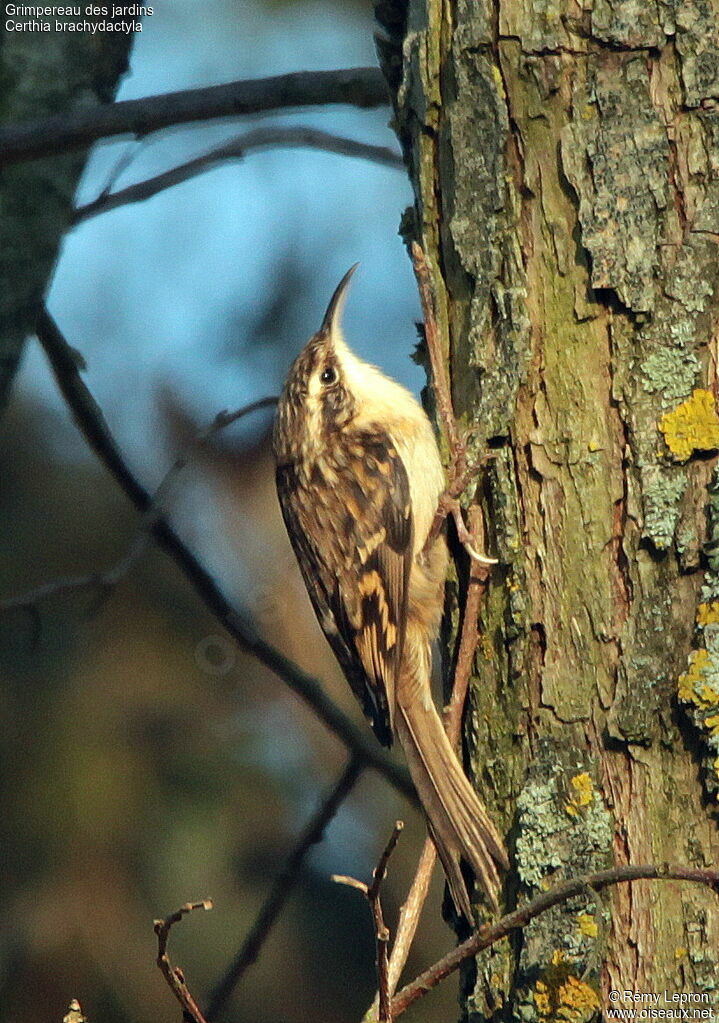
[(359, 477)]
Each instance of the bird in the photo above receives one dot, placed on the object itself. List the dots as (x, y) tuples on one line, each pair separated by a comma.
[(359, 477)]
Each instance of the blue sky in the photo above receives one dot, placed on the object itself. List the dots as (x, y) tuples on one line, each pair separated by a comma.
[(171, 292)]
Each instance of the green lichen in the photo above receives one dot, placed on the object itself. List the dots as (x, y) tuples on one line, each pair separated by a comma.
[(564, 829), (662, 494), (539, 824), (560, 818), (670, 372)]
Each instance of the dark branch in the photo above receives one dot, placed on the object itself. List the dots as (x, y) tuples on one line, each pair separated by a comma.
[(380, 928), (258, 138), (284, 884), (487, 936), (359, 87), (65, 363), (372, 893)]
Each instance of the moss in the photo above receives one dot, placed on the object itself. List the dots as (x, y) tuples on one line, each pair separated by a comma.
[(691, 426)]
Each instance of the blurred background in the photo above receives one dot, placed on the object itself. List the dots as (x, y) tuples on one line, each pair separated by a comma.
[(145, 761)]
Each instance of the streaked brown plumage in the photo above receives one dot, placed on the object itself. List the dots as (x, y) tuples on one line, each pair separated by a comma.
[(358, 478)]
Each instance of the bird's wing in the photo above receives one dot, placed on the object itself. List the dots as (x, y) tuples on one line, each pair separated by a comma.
[(353, 539)]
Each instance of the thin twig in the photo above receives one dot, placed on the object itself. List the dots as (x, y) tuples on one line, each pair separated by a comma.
[(460, 473), (490, 935), (89, 418), (381, 929), (372, 894), (469, 636), (126, 158), (173, 974), (222, 420), (258, 138), (359, 87), (67, 584), (283, 886), (442, 391), (409, 916)]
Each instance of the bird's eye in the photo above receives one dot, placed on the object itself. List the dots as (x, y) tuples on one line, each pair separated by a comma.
[(328, 375)]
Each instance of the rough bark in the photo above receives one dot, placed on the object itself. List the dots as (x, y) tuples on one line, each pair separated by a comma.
[(43, 73), (565, 164)]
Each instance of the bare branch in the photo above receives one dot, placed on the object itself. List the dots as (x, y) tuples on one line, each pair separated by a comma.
[(258, 138), (173, 974), (409, 916), (469, 636), (65, 363), (460, 474), (489, 935), (372, 893), (284, 883), (442, 391), (359, 87)]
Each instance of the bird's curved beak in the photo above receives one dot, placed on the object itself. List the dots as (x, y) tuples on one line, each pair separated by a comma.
[(331, 321)]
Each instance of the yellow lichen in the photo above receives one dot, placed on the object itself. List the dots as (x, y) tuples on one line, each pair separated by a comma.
[(577, 1000), (587, 925), (680, 953), (698, 661), (708, 614), (699, 685), (560, 995), (707, 695), (584, 789), (541, 998), (691, 426), (583, 793), (712, 723)]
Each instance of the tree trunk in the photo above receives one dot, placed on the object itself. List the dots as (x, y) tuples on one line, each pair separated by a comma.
[(43, 73), (565, 165)]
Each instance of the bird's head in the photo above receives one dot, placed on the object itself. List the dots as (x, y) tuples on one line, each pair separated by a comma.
[(318, 398)]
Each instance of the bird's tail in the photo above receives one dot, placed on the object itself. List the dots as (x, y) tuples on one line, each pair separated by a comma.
[(458, 822)]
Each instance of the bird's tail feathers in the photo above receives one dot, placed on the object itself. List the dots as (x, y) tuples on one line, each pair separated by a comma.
[(458, 821)]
